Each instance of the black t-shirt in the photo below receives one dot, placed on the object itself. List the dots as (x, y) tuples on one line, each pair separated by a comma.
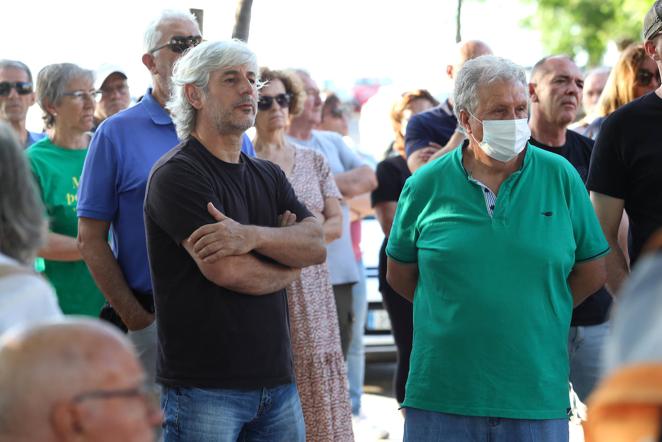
[(577, 150), (210, 336), (627, 164), (391, 176)]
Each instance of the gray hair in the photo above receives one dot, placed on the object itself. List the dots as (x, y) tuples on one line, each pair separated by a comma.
[(479, 72), (153, 32), (15, 64), (22, 221), (194, 67), (52, 81)]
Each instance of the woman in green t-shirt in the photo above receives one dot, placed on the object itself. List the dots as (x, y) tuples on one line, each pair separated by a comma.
[(67, 97)]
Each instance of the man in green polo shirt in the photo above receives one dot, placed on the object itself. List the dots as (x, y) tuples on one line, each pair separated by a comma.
[(494, 243)]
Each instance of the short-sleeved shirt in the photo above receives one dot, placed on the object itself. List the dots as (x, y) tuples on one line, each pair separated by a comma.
[(492, 305), (626, 164), (432, 126), (210, 336), (57, 172), (122, 152), (392, 173), (577, 150), (340, 254)]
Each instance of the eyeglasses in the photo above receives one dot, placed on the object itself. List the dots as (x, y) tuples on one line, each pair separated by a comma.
[(645, 77), (337, 112), (120, 89), (265, 102), (81, 95), (149, 394), (179, 44), (22, 88)]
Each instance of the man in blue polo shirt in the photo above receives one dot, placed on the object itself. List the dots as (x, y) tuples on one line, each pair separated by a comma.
[(494, 243), (435, 132), (112, 189)]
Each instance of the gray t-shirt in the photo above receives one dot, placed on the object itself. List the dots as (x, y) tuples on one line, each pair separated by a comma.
[(340, 256)]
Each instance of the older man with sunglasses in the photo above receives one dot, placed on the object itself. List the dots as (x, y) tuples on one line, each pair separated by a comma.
[(16, 97), (112, 187), (625, 166)]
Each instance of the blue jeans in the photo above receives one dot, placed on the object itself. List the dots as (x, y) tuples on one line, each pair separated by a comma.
[(585, 344), (220, 415), (429, 426), (356, 352)]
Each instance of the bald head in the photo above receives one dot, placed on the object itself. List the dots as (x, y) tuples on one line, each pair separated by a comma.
[(46, 366), (466, 50)]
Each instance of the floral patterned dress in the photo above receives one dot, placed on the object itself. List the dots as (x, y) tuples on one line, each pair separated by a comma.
[(321, 375)]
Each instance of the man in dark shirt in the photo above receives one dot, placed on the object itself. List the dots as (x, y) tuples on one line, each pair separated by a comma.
[(626, 163), (224, 355), (556, 90), (435, 132)]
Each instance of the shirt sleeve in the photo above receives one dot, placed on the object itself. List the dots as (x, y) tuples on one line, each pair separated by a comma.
[(607, 172), (388, 188), (177, 198), (327, 182), (589, 238), (404, 233), (417, 135), (348, 158), (97, 194), (247, 146)]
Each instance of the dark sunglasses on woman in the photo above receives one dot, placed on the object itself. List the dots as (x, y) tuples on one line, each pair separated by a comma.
[(645, 77), (22, 88), (179, 44), (265, 102)]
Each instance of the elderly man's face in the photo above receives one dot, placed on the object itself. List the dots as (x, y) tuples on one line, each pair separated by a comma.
[(500, 100), (14, 106), (312, 107), (593, 86), (164, 59), (114, 96), (117, 409), (557, 91)]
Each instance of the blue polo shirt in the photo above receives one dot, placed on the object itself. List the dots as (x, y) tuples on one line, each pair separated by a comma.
[(435, 125), (33, 137), (112, 187), (492, 305)]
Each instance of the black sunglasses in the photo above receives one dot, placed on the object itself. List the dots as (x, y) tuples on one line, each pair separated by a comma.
[(645, 77), (179, 44), (22, 88), (265, 102)]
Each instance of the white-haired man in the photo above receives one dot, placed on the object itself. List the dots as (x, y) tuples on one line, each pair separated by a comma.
[(75, 380), (494, 243), (225, 234), (112, 188)]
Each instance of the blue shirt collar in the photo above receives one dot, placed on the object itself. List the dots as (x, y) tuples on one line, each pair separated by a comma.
[(157, 113)]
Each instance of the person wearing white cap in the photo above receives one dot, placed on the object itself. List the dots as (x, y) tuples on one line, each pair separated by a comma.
[(111, 81)]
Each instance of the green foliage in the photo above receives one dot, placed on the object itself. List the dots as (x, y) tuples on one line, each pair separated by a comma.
[(574, 26)]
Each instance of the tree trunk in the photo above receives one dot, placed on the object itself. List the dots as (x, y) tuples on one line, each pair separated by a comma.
[(458, 22), (242, 20)]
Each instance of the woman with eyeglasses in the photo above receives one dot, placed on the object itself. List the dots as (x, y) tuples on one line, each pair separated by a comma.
[(318, 361), (66, 95), (634, 75)]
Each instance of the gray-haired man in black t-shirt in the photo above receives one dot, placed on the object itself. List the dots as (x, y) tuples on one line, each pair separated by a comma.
[(555, 91), (223, 245), (626, 163)]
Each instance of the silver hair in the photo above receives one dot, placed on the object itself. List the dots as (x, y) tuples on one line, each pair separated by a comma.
[(479, 72), (194, 67), (15, 64), (52, 81), (153, 32), (22, 221)]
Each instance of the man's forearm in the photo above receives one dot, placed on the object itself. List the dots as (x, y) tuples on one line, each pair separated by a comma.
[(298, 246), (356, 181), (617, 267), (60, 248)]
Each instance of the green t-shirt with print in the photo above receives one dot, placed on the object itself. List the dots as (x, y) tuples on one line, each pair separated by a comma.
[(492, 306), (57, 173)]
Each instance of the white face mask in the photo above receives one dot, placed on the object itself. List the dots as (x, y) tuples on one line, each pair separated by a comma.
[(503, 140)]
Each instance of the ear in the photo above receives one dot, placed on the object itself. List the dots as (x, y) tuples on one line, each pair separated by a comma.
[(449, 71), (193, 95), (50, 108), (650, 48), (33, 98), (464, 121), (65, 421), (532, 93), (148, 61)]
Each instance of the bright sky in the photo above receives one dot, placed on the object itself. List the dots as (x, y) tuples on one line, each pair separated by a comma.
[(407, 42)]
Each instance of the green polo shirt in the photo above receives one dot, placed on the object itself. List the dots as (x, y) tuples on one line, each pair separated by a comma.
[(492, 306)]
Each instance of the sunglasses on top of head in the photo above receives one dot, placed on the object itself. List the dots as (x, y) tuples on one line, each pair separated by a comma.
[(22, 88), (265, 102), (179, 44), (645, 77)]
